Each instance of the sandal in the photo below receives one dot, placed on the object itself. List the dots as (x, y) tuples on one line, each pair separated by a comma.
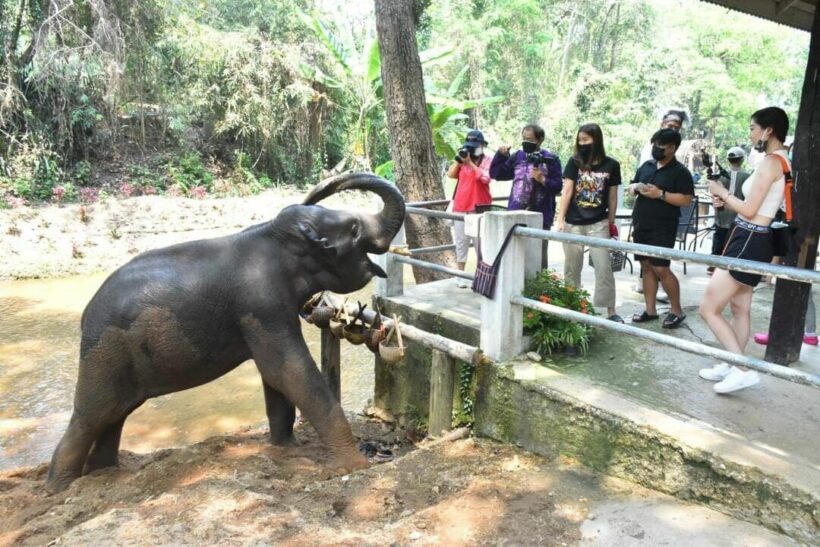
[(672, 321), (615, 317), (643, 317)]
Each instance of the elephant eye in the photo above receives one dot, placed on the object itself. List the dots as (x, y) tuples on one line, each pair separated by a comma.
[(354, 231)]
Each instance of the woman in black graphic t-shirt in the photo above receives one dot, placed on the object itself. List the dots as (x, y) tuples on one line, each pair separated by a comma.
[(588, 202)]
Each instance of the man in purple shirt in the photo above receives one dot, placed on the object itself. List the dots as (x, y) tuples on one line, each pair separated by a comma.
[(536, 176)]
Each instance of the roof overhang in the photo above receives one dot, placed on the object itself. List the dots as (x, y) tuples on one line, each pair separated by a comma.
[(793, 13)]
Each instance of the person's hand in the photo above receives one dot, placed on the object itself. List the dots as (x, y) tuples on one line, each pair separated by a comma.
[(651, 191), (716, 188), (469, 161), (504, 150), (613, 230), (538, 175), (558, 225), (717, 203)]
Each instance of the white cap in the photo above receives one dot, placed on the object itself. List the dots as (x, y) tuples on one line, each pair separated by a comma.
[(736, 152)]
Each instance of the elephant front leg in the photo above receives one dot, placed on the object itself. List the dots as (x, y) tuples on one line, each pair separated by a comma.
[(281, 415), (285, 364)]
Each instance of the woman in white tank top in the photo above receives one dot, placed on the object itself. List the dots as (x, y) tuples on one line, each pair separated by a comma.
[(750, 238)]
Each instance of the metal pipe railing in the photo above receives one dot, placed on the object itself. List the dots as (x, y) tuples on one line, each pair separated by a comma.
[(431, 266), (429, 250), (778, 371), (438, 202), (434, 214), (741, 265)]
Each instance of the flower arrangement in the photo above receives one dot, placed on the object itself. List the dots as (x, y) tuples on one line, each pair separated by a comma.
[(549, 332)]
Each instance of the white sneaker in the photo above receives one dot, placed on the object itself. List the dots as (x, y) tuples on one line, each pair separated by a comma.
[(716, 373), (463, 283), (736, 380)]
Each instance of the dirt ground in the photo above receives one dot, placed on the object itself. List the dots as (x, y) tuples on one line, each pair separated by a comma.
[(60, 240), (239, 489)]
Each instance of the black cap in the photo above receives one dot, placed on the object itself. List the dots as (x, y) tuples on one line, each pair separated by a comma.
[(474, 139)]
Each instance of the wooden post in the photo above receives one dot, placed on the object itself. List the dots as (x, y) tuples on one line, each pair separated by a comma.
[(442, 384), (501, 322), (790, 297), (331, 369)]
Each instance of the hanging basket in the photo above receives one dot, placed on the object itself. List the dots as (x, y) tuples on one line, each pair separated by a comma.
[(389, 352)]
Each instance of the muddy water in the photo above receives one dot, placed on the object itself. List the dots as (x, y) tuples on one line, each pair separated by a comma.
[(39, 349)]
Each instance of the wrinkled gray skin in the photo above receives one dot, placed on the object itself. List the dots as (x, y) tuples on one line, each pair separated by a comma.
[(179, 317)]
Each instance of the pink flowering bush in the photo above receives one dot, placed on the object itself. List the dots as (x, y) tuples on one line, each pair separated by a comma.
[(126, 189), (58, 193), (89, 195), (198, 192), (149, 191), (14, 202)]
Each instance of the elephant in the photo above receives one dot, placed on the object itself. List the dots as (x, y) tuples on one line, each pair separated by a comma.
[(178, 317)]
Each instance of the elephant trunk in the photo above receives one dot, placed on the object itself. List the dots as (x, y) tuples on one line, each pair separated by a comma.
[(379, 229)]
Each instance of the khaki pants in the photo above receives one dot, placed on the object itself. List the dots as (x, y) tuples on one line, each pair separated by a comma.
[(604, 294)]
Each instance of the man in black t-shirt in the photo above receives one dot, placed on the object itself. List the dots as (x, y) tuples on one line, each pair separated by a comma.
[(663, 185), (588, 202)]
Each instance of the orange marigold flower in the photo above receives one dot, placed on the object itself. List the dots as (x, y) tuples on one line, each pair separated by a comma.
[(545, 299)]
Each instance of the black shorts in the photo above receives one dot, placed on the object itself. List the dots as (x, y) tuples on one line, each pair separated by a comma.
[(750, 242), (657, 236)]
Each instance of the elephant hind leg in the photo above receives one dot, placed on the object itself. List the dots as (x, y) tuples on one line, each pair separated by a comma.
[(105, 452), (281, 415), (71, 453)]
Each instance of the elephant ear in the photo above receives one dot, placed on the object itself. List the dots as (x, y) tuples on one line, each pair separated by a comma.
[(321, 243)]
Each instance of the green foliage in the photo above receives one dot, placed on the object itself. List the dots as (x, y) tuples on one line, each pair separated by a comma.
[(464, 415), (188, 172), (548, 331)]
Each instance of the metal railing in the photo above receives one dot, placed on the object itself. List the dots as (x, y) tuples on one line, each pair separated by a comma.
[(516, 299)]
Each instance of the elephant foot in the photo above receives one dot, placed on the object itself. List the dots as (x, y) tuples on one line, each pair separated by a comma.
[(348, 462), (285, 441), (55, 485), (100, 461)]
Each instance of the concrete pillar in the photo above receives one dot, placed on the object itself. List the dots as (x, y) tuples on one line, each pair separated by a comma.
[(394, 284), (442, 386), (501, 322)]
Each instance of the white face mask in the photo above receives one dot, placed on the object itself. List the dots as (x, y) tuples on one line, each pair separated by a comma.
[(478, 150)]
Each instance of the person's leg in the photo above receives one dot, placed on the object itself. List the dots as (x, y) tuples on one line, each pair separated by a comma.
[(544, 254), (461, 242), (650, 287), (722, 287), (670, 284), (741, 303), (719, 240), (604, 295), (573, 263)]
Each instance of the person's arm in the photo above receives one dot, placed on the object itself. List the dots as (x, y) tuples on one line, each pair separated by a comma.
[(768, 172), (501, 167), (483, 171), (452, 172), (553, 182), (613, 205), (566, 194), (682, 193)]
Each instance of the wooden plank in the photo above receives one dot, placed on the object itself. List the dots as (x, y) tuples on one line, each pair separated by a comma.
[(442, 384), (331, 358), (791, 298)]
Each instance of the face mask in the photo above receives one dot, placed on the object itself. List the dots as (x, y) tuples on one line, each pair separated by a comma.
[(585, 150), (658, 153), (477, 151), (529, 147)]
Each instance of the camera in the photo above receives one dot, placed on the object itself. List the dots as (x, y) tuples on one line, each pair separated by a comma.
[(713, 169), (462, 154), (536, 158)]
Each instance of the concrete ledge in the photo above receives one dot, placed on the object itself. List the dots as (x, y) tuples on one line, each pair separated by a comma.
[(549, 413)]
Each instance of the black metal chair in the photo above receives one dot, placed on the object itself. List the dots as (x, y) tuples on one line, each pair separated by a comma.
[(688, 224)]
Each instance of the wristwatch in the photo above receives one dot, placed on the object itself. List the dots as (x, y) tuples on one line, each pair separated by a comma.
[(663, 195)]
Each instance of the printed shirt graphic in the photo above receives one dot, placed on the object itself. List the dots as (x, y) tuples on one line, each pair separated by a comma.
[(590, 200)]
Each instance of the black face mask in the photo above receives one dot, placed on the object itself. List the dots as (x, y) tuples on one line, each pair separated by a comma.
[(658, 153), (585, 151), (529, 147)]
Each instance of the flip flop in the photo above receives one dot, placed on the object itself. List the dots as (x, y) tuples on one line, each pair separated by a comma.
[(376, 452), (615, 317), (672, 321), (643, 317)]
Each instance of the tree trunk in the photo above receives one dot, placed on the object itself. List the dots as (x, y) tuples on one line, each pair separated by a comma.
[(411, 136), (791, 298)]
